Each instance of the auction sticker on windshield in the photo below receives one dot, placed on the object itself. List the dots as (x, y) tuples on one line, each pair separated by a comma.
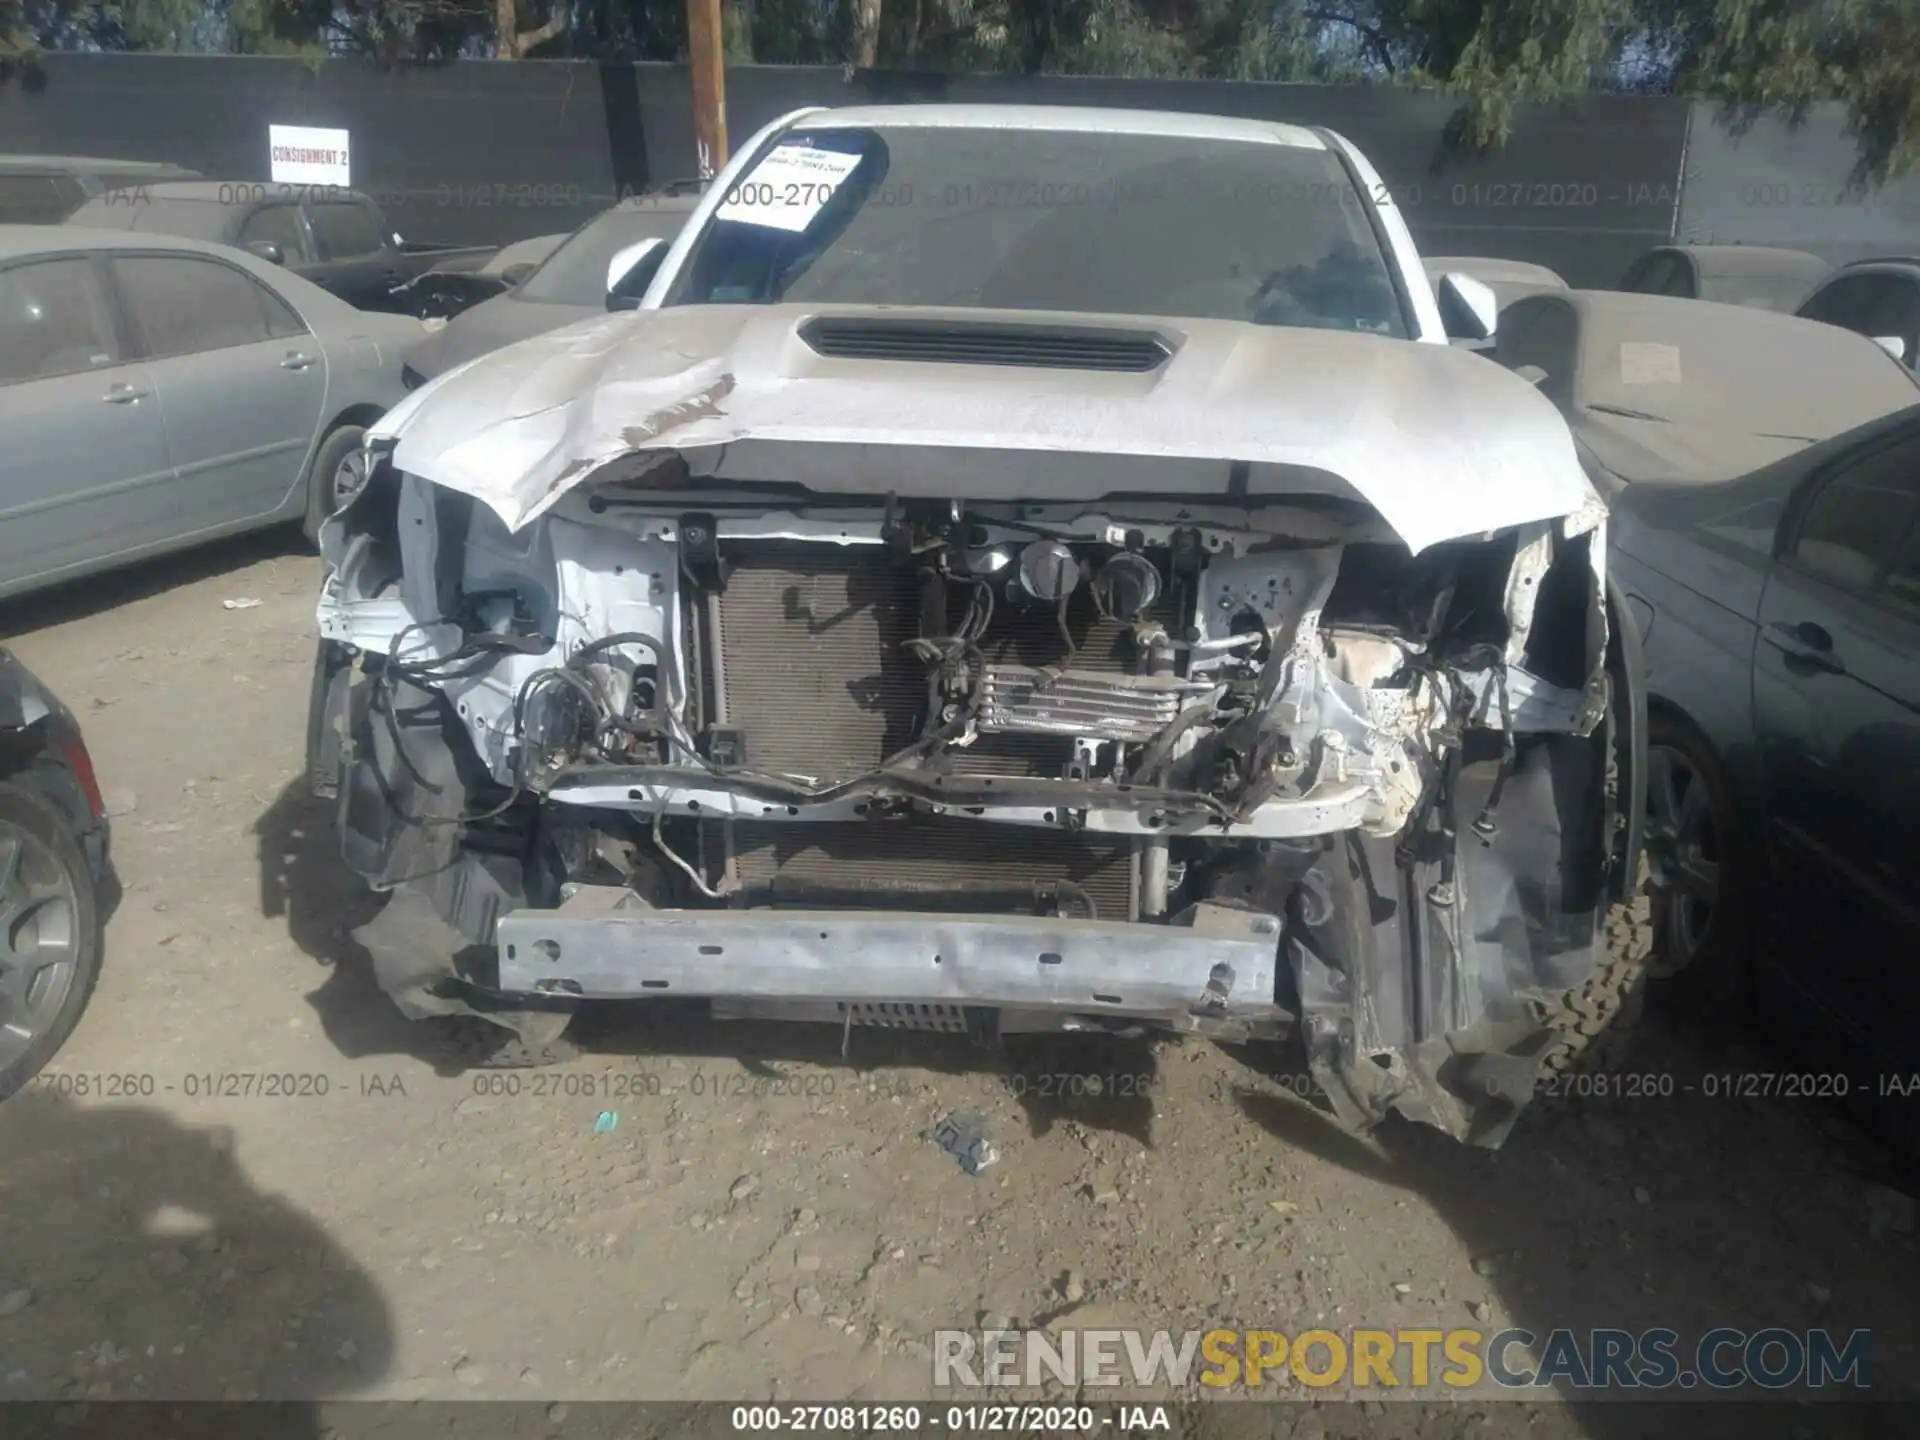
[(788, 188)]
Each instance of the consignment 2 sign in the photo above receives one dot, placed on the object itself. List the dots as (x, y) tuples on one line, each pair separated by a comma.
[(302, 155)]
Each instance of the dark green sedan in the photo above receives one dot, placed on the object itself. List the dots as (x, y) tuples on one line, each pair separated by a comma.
[(1764, 475)]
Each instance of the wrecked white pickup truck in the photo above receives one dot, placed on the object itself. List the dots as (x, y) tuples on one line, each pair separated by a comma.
[(1019, 569)]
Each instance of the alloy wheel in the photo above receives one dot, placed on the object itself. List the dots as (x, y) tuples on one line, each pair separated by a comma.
[(1683, 851), (350, 475), (39, 939)]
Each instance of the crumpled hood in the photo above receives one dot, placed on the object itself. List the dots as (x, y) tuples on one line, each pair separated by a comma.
[(1441, 442)]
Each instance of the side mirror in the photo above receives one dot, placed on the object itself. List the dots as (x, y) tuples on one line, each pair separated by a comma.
[(1893, 345), (1468, 307), (628, 273), (267, 251), (514, 274)]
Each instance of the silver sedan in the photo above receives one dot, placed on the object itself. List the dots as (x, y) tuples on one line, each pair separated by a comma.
[(157, 393)]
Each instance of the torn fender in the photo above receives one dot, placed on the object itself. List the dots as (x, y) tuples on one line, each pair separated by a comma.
[(1425, 964)]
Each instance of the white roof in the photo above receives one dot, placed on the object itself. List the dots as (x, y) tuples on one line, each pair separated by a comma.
[(1070, 117), (18, 240)]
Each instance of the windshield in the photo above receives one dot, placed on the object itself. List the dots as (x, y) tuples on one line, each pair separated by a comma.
[(576, 273), (1082, 221)]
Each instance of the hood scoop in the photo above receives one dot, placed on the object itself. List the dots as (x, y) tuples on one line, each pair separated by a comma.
[(975, 342)]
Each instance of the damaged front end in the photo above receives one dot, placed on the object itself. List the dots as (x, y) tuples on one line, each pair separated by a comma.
[(1235, 769)]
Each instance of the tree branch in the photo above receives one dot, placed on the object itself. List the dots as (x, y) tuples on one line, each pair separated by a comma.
[(528, 40), (1370, 36)]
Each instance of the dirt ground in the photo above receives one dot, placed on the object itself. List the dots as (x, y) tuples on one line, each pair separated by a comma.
[(696, 1209)]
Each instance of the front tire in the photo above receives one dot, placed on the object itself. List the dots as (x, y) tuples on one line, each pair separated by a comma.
[(1700, 871), (1592, 1024), (1681, 939), (337, 474), (50, 935)]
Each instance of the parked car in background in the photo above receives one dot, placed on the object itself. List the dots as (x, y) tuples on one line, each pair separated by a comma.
[(1762, 473), (1507, 279), (46, 189), (1757, 275), (1876, 298), (571, 284), (57, 881), (1691, 391), (338, 239), (157, 392), (443, 293), (1781, 615)]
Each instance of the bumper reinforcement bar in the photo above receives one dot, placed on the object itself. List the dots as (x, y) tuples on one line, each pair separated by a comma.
[(1215, 961)]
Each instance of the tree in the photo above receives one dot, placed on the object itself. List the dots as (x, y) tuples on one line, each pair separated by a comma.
[(1788, 54), (514, 43), (1495, 55), (866, 33), (17, 47)]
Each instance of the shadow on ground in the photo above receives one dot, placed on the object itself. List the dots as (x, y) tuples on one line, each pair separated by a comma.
[(1665, 1207), (79, 599), (160, 1272), (304, 881)]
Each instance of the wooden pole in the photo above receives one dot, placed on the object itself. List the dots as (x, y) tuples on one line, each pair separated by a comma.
[(706, 49)]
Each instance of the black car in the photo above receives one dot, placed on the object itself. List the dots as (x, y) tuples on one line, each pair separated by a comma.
[(1763, 474), (1783, 658), (572, 282), (46, 189), (338, 239), (57, 882)]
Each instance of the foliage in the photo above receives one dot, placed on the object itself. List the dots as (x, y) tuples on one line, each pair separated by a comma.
[(1496, 55)]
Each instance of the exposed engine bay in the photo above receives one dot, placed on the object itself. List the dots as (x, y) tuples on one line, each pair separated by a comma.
[(1236, 769)]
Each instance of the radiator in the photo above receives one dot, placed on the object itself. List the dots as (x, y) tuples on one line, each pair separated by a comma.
[(811, 638), (819, 684), (817, 678)]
